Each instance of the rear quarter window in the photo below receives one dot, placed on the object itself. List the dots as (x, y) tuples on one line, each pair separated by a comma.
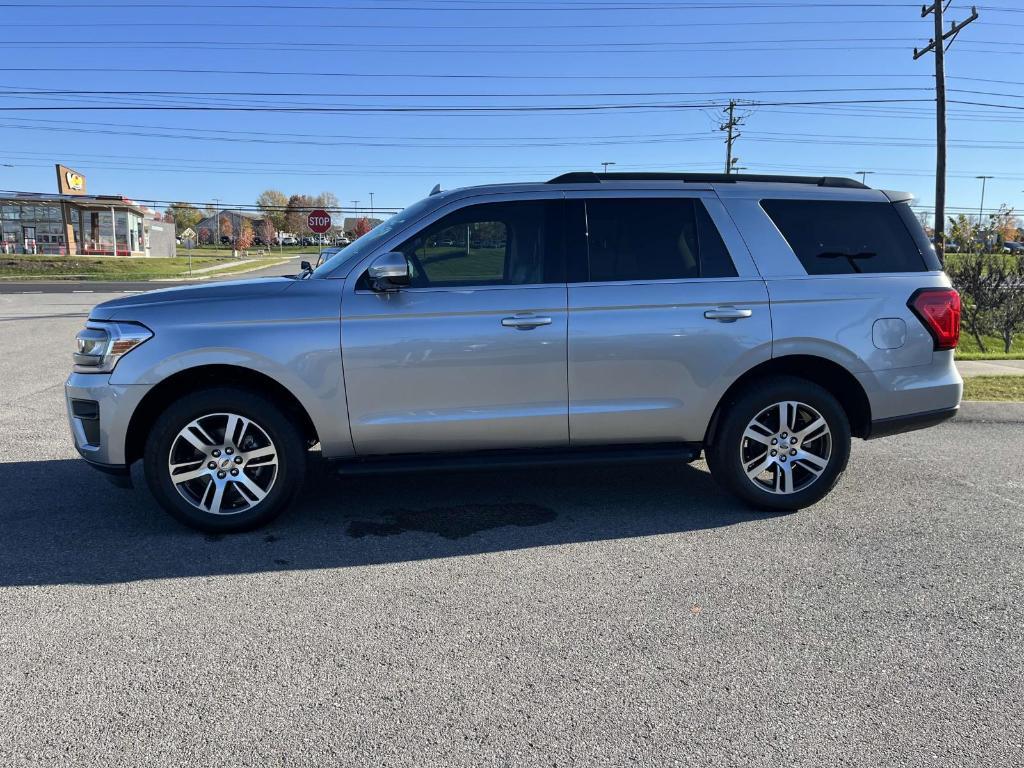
[(845, 237)]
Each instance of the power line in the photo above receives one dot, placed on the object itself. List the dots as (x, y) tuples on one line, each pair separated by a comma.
[(455, 109)]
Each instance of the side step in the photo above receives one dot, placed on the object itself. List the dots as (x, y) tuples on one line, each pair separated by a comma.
[(604, 454)]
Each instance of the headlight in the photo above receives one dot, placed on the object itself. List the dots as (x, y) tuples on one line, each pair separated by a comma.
[(102, 344)]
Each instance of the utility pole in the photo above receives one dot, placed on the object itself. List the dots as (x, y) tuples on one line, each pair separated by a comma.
[(371, 206), (730, 127), (981, 208), (936, 44), (605, 165), (864, 176)]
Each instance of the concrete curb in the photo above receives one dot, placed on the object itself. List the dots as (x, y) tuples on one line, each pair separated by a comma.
[(991, 412)]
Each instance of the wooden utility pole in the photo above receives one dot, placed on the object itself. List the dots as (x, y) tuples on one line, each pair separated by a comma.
[(936, 45), (731, 135)]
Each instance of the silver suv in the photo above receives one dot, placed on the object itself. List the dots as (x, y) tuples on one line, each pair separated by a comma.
[(762, 320)]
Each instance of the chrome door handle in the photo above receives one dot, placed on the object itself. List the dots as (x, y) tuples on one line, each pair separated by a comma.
[(727, 314), (525, 322)]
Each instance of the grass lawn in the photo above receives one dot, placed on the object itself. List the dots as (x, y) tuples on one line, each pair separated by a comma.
[(225, 251), (994, 388), (86, 268), (969, 350)]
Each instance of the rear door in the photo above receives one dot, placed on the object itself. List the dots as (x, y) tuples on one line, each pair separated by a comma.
[(666, 310)]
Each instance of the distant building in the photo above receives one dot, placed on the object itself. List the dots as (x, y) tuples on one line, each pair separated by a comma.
[(73, 223), (215, 221), (349, 224)]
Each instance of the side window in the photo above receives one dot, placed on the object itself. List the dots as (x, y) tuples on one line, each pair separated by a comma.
[(653, 239), (837, 237), (490, 244)]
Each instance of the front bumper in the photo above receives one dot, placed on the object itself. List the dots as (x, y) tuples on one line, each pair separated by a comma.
[(99, 414)]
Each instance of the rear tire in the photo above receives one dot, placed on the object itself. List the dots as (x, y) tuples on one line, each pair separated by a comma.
[(224, 460), (811, 434)]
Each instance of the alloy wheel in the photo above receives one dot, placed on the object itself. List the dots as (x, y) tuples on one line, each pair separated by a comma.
[(223, 463), (786, 447)]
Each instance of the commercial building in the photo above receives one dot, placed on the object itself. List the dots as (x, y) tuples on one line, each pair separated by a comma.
[(73, 223), (225, 226)]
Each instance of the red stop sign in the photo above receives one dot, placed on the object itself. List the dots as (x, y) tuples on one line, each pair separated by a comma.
[(319, 221)]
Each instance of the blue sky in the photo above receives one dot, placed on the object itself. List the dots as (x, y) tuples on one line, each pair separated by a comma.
[(642, 78)]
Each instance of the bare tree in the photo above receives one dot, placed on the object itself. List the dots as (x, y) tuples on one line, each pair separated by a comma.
[(979, 279), (1008, 314)]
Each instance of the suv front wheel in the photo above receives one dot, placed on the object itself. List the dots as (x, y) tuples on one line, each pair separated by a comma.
[(224, 460), (781, 444)]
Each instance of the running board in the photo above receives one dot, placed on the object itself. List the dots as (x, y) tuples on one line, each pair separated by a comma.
[(605, 454)]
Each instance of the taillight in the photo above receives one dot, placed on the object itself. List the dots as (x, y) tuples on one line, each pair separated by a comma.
[(939, 310)]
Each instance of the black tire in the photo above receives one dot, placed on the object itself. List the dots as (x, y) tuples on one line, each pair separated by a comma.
[(727, 463), (271, 424)]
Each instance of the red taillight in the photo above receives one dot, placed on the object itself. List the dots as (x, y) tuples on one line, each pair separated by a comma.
[(939, 310)]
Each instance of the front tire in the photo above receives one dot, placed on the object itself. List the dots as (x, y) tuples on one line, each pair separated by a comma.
[(224, 460), (781, 444)]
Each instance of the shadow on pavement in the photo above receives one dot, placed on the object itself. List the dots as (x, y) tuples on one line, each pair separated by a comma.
[(62, 523)]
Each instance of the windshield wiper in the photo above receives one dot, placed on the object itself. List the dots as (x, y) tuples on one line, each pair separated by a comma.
[(850, 257)]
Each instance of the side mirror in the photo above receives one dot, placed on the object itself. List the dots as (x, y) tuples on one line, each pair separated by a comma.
[(305, 266), (389, 271)]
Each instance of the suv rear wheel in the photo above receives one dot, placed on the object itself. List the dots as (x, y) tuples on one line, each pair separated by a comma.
[(224, 460), (781, 444)]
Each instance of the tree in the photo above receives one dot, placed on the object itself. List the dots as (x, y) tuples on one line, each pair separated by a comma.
[(245, 234), (267, 231), (362, 226), (1008, 314), (1004, 223), (273, 204), (963, 232), (327, 200), (184, 215), (226, 228), (979, 279), (205, 236), (296, 213)]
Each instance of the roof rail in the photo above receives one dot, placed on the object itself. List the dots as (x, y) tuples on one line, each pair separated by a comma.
[(588, 177)]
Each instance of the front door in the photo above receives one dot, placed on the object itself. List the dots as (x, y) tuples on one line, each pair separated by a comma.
[(663, 316), (472, 355)]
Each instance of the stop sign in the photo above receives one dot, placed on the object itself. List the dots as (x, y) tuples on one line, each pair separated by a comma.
[(319, 221)]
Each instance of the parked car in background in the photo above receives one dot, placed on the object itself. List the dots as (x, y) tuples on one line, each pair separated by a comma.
[(288, 240), (1013, 247), (760, 321)]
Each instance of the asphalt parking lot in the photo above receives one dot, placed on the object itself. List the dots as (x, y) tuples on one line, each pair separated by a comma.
[(585, 617)]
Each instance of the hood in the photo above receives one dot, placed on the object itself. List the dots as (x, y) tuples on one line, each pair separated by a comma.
[(205, 293)]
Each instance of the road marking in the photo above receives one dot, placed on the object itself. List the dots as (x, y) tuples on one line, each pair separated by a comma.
[(81, 291)]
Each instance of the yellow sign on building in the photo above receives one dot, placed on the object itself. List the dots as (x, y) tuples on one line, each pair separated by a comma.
[(70, 182)]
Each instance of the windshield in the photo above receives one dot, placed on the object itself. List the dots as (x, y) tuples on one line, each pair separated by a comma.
[(374, 237)]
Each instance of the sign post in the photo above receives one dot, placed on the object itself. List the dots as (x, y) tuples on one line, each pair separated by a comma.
[(188, 237), (319, 221)]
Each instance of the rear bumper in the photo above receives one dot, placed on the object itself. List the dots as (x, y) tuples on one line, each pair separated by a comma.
[(897, 424)]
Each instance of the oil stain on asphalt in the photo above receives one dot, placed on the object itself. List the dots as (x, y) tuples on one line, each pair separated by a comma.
[(452, 522)]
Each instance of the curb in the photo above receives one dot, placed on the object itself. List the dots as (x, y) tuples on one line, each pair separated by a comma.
[(990, 412)]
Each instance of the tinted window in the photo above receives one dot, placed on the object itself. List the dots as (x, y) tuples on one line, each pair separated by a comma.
[(491, 244), (653, 239), (833, 237)]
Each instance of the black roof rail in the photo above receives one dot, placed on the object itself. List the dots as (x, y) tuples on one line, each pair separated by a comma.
[(589, 177)]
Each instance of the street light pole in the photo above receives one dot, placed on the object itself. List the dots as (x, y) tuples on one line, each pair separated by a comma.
[(863, 176), (605, 165), (371, 205)]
